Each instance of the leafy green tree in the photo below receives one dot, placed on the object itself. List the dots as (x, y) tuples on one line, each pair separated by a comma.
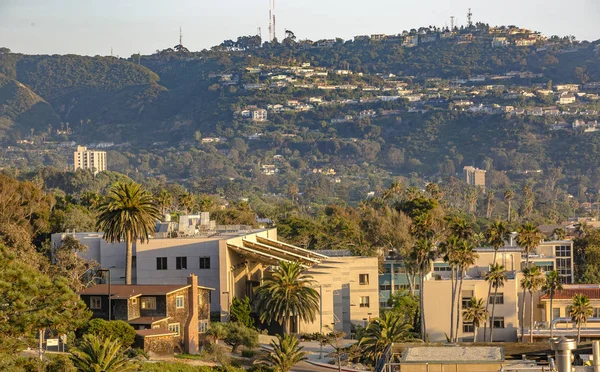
[(286, 353), (580, 311), (288, 292), (117, 329), (532, 281), (127, 214), (390, 327), (98, 354), (496, 277), (475, 313), (68, 263), (32, 301), (550, 287), (235, 335), (240, 311)]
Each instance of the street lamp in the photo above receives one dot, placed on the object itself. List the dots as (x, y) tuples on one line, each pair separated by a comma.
[(109, 292)]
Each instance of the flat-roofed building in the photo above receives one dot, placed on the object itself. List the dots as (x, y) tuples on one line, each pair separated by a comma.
[(89, 159), (475, 176)]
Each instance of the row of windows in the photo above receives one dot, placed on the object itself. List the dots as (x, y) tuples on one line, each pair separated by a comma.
[(181, 263), (497, 321), (562, 251)]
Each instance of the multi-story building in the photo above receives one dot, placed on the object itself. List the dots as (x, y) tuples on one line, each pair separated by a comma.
[(164, 316), (395, 279), (259, 115), (89, 159), (235, 260), (475, 176)]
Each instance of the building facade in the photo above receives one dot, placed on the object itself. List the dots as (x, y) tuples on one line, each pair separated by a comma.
[(235, 264), (89, 159), (475, 176)]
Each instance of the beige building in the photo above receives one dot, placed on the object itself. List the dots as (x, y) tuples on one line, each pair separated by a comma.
[(475, 176), (550, 255), (89, 159), (236, 262)]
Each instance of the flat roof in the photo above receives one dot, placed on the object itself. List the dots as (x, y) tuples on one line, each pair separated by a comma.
[(125, 291), (449, 354)]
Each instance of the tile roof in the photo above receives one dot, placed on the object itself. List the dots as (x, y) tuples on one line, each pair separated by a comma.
[(568, 293)]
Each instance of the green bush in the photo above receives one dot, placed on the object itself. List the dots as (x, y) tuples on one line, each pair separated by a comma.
[(248, 353), (241, 310), (117, 329), (235, 335), (182, 367)]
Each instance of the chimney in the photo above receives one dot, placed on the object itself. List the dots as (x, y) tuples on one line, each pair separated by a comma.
[(191, 341)]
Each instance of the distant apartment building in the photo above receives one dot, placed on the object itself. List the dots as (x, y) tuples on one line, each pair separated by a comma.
[(259, 115), (475, 176), (89, 159)]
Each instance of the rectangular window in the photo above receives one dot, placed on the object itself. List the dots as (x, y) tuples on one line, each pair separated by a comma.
[(468, 328), (179, 302), (204, 263), (174, 327), (202, 326), (385, 287), (555, 313), (181, 263), (363, 279), (149, 303), (563, 250), (133, 262), (465, 302), (134, 301), (161, 263), (499, 299), (498, 322), (95, 303), (364, 301), (596, 312), (383, 304)]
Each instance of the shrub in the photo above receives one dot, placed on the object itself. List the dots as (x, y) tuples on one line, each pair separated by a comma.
[(116, 329), (248, 353), (235, 335), (241, 310)]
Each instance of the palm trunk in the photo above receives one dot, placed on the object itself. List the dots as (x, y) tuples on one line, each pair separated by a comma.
[(487, 302), (492, 319), (508, 217), (523, 304), (459, 304), (453, 281), (578, 333), (531, 317), (129, 259), (422, 304), (551, 314), (474, 333)]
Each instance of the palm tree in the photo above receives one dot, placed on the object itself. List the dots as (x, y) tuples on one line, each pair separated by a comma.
[(559, 234), (423, 255), (286, 353), (450, 250), (381, 332), (550, 287), (101, 354), (466, 259), (287, 293), (475, 313), (496, 277), (580, 311), (127, 214), (582, 229), (393, 191), (186, 202), (490, 199), (495, 236), (533, 279), (529, 238), (164, 200), (508, 196)]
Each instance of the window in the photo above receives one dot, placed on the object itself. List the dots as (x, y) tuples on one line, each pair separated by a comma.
[(149, 303), (498, 322), (133, 262), (499, 299), (161, 263), (468, 328), (385, 287), (466, 301), (202, 326), (441, 268), (364, 301), (95, 303), (179, 302), (555, 312), (596, 312), (363, 279), (562, 251), (134, 301), (174, 327), (181, 263), (204, 263), (383, 304)]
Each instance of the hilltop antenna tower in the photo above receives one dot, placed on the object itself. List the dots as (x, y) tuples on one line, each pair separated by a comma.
[(451, 23), (272, 34), (180, 36), (470, 18)]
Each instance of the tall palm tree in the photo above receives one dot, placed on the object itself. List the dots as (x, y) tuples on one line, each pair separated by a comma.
[(286, 353), (580, 311), (490, 199), (475, 313), (127, 214), (508, 196), (423, 254), (391, 327), (529, 238), (550, 287), (164, 200), (186, 202), (287, 293), (559, 234), (533, 279), (466, 259), (495, 236), (449, 249), (496, 277), (97, 354), (393, 191)]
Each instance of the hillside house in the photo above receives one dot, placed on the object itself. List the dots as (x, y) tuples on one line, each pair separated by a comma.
[(566, 99)]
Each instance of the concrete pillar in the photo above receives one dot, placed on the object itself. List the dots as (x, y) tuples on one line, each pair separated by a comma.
[(562, 347), (191, 335)]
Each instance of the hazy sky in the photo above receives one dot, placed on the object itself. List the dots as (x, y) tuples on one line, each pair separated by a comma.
[(94, 26)]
